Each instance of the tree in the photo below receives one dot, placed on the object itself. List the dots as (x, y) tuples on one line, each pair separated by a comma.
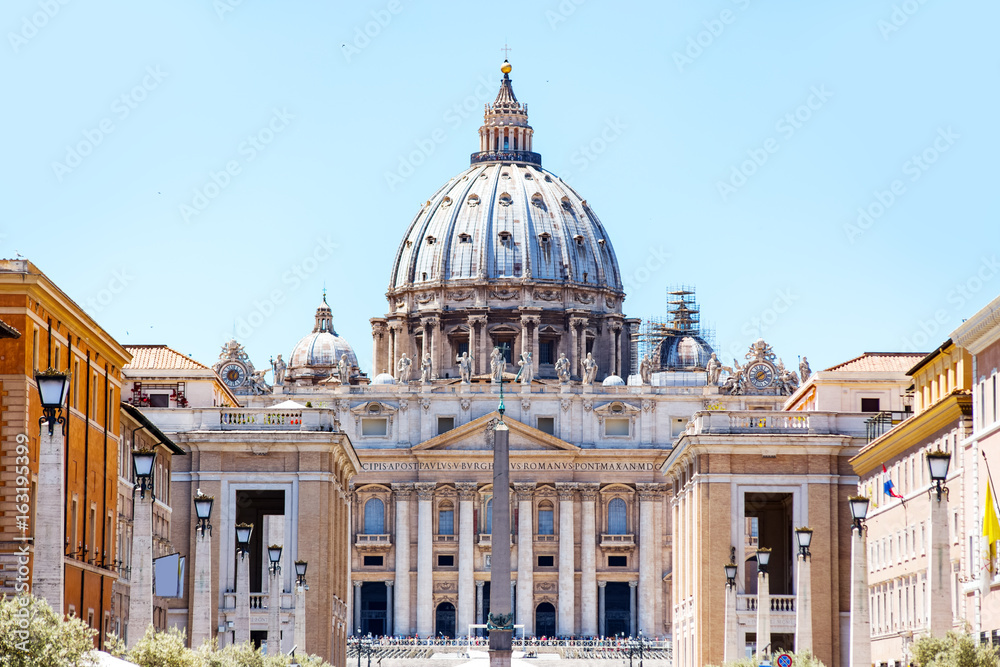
[(163, 649), (954, 650), (33, 635)]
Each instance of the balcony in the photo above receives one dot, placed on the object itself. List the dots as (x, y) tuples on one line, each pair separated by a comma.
[(486, 541), (545, 538), (777, 422), (782, 611), (611, 542), (373, 542), (241, 419), (883, 422), (444, 538)]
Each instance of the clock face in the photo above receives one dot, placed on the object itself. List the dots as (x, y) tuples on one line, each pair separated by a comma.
[(760, 375), (233, 374)]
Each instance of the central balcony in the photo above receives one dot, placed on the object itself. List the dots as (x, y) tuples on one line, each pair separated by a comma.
[(624, 542), (373, 542)]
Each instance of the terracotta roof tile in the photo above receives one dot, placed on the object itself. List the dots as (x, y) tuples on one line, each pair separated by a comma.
[(161, 357), (880, 362)]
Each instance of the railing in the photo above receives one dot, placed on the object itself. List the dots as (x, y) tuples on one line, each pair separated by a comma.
[(545, 538), (258, 601), (507, 156), (278, 419), (777, 422), (767, 420), (241, 419), (444, 538), (373, 541), (609, 541), (779, 603), (883, 422)]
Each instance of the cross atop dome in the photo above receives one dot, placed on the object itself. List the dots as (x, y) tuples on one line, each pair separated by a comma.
[(505, 135)]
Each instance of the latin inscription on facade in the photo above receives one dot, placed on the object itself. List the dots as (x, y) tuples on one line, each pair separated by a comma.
[(567, 466)]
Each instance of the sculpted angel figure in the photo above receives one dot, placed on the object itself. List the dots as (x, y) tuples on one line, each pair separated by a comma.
[(562, 368), (425, 369), (403, 369), (589, 369), (465, 367), (527, 368), (497, 363)]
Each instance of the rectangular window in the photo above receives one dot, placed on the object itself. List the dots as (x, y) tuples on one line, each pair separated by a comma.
[(546, 561), (617, 561), (545, 522), (547, 425), (34, 349), (55, 358), (374, 427), (446, 560), (446, 522), (869, 405), (159, 400), (445, 424), (461, 348), (373, 561), (616, 426), (546, 352), (73, 526), (93, 398)]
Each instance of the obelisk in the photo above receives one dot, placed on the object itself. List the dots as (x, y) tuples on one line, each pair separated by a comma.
[(501, 620)]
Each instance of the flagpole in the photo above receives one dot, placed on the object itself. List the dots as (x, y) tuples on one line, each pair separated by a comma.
[(989, 473)]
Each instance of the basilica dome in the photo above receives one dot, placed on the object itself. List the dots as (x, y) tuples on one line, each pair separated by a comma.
[(315, 357)]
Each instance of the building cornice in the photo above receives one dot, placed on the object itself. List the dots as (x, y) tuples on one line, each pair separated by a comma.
[(981, 330)]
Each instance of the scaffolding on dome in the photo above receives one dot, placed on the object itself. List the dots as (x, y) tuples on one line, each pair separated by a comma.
[(683, 318)]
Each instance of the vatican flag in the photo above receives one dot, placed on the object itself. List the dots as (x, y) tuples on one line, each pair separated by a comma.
[(991, 528)]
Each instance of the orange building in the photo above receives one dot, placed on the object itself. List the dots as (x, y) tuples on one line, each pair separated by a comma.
[(57, 333)]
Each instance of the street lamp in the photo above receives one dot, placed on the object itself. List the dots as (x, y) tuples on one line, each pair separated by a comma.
[(300, 572), (203, 510), (243, 531), (274, 555), (859, 510), (730, 574), (763, 558), (142, 466), (937, 463), (53, 386), (803, 537)]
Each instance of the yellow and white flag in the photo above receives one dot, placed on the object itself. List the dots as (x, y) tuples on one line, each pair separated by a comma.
[(991, 528)]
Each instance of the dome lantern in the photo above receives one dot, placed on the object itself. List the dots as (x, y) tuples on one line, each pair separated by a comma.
[(505, 134)]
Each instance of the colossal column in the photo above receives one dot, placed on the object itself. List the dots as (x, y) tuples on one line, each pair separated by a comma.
[(588, 559), (525, 557), (425, 559), (649, 541), (401, 600), (567, 567), (466, 537)]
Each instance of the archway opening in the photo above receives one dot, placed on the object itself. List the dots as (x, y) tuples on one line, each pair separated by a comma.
[(374, 611), (444, 621), (617, 611), (545, 620)]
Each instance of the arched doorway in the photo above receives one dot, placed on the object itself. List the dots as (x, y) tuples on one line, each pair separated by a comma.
[(444, 620), (374, 612), (617, 609), (545, 620)]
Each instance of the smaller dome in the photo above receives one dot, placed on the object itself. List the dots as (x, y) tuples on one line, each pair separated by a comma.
[(685, 352), (316, 356), (613, 381), (384, 378)]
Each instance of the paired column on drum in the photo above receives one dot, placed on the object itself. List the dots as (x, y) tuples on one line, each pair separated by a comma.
[(401, 599), (525, 557), (567, 569)]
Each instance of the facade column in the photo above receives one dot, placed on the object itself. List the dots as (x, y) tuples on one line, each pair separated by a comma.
[(401, 601), (525, 556), (803, 606), (378, 330), (764, 614), (274, 613), (140, 604), (201, 597), (425, 558), (357, 608), (632, 609), (574, 357), (616, 353), (939, 577), (389, 629), (48, 572), (649, 541), (567, 567), (860, 637), (588, 560), (466, 538), (731, 650), (601, 586), (479, 604), (242, 625)]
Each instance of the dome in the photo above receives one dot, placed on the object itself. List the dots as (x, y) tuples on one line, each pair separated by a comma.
[(613, 381), (384, 378), (315, 357), (682, 352)]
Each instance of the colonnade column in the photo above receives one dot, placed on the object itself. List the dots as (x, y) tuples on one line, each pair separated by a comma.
[(425, 558), (567, 570), (388, 607), (632, 609), (649, 541), (479, 602), (466, 578), (601, 586), (525, 557), (401, 601), (357, 608), (588, 559)]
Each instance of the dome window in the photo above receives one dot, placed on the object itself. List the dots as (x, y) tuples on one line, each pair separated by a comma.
[(579, 241), (431, 240), (548, 179), (506, 199), (504, 237), (545, 238), (473, 200), (536, 200), (464, 238), (446, 202), (505, 176), (374, 408), (567, 206), (617, 408), (529, 177)]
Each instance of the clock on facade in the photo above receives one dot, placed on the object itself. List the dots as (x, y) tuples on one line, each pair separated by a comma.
[(233, 374), (761, 375)]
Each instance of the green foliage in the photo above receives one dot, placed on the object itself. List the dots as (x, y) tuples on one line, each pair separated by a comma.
[(167, 649), (804, 659), (955, 650), (33, 635), (163, 649)]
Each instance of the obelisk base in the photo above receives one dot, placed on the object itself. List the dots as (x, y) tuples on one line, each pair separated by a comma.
[(500, 658)]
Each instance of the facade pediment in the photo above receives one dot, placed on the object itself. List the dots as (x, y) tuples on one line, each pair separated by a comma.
[(472, 436)]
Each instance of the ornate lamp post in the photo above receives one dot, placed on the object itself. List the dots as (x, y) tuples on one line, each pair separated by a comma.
[(274, 601), (201, 622), (939, 567), (300, 605), (803, 591), (140, 606), (242, 626), (731, 650), (763, 603), (48, 570), (861, 643)]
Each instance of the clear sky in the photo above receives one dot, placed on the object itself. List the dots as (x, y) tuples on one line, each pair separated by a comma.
[(181, 168)]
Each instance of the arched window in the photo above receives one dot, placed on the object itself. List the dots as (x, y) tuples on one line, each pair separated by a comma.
[(545, 526), (617, 524), (374, 517), (446, 519), (489, 515)]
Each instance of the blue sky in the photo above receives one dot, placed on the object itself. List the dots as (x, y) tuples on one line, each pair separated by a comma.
[(823, 173)]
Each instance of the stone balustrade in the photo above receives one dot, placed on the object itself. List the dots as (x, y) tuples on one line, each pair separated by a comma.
[(241, 419), (777, 422)]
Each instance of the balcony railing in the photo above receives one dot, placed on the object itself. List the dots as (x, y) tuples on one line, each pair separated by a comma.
[(779, 603), (373, 542), (777, 422), (241, 419), (545, 538), (444, 538), (624, 542), (883, 422)]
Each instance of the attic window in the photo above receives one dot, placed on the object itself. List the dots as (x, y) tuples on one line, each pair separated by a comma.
[(504, 237), (424, 275), (565, 204), (464, 238), (408, 243), (374, 408), (601, 242), (446, 202), (473, 200), (505, 176), (548, 179), (536, 200), (579, 240), (431, 240), (528, 177), (545, 238), (506, 199)]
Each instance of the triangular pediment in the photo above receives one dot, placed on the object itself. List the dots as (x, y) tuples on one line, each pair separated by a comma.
[(472, 436)]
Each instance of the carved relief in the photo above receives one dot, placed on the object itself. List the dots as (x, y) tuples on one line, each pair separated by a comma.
[(564, 404), (525, 404), (584, 297), (426, 297), (465, 403), (548, 295), (461, 296), (505, 294)]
